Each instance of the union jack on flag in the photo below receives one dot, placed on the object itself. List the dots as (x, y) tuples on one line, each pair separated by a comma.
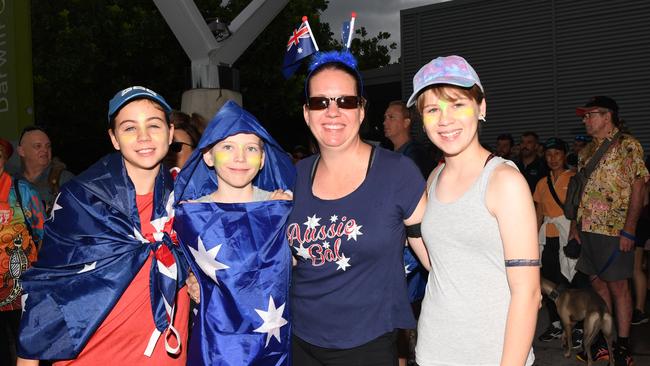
[(93, 240), (300, 45)]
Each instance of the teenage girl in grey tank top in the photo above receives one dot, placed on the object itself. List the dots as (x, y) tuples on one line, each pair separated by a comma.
[(482, 298)]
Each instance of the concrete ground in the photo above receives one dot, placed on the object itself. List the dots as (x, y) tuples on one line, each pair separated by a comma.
[(550, 353)]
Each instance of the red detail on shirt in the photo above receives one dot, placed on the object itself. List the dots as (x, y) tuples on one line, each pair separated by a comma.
[(123, 336)]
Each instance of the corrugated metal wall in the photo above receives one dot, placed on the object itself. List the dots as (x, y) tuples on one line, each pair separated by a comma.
[(539, 59)]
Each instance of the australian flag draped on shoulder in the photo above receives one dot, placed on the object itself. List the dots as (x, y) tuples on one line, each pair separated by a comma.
[(301, 44), (92, 250), (239, 254)]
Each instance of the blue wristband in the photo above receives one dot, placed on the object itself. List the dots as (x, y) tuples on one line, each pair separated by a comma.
[(625, 234)]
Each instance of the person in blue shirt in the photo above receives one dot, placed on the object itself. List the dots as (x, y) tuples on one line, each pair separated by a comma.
[(353, 206)]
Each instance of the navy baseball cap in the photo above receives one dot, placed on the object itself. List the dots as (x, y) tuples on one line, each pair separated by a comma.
[(132, 93), (600, 101), (555, 143)]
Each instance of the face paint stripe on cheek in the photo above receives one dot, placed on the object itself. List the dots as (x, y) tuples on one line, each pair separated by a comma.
[(428, 119), (222, 157), (464, 111), (254, 161)]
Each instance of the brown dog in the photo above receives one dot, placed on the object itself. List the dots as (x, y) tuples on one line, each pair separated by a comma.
[(574, 305)]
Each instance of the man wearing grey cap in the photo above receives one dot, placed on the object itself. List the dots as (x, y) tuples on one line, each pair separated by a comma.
[(607, 216)]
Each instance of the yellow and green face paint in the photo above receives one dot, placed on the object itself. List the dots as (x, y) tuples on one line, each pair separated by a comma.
[(464, 111), (222, 157)]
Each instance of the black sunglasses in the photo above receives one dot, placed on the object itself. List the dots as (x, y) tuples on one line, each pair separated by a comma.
[(177, 146), (344, 102)]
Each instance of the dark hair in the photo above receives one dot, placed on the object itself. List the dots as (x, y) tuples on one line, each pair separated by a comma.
[(442, 91), (182, 121), (158, 105), (506, 136), (530, 134), (30, 129), (406, 113), (333, 66)]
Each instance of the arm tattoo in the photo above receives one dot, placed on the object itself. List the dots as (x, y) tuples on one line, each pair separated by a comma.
[(522, 262)]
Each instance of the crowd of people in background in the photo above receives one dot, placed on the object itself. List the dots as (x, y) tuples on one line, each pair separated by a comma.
[(389, 240)]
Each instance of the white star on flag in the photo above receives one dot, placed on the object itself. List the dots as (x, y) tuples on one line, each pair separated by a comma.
[(356, 230), (138, 236), (273, 321), (343, 263), (55, 206), (406, 269), (312, 222), (88, 267), (299, 49), (333, 218), (303, 252), (23, 302), (207, 259)]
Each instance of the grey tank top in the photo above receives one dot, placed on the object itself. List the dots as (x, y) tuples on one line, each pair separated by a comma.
[(465, 305)]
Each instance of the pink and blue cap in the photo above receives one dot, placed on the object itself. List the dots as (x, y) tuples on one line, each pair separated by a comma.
[(451, 70)]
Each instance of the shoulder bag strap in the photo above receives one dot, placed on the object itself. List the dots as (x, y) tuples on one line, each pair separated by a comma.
[(19, 198), (593, 162), (552, 190)]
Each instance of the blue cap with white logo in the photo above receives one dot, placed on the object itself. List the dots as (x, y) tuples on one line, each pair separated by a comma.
[(132, 93)]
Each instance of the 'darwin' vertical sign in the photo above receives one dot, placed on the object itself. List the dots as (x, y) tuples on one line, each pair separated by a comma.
[(16, 90)]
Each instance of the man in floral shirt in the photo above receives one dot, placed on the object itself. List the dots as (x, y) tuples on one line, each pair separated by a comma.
[(608, 214)]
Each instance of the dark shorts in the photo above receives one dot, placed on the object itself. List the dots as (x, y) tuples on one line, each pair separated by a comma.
[(642, 231), (381, 351), (597, 249)]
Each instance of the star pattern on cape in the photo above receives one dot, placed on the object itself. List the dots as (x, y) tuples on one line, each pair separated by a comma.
[(207, 259), (406, 269), (88, 267), (356, 230), (23, 302), (343, 263), (312, 222), (273, 321), (303, 252), (55, 207)]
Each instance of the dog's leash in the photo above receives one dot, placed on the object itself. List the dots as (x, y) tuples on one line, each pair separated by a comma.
[(611, 258)]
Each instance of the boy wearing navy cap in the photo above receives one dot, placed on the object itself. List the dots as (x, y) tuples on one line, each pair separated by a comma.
[(107, 285)]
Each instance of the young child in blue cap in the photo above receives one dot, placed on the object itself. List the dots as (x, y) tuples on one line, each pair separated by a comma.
[(108, 287)]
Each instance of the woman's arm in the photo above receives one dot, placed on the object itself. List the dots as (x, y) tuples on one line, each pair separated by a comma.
[(508, 199), (416, 243)]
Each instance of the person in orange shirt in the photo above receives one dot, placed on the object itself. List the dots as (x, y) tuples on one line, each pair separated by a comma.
[(554, 230)]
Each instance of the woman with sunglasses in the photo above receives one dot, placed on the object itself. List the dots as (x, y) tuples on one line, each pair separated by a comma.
[(187, 133), (480, 230), (353, 207)]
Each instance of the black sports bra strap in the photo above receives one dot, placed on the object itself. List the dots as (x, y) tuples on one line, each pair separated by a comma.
[(488, 159), (314, 168)]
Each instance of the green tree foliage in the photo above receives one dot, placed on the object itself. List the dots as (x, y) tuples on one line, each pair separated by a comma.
[(86, 50)]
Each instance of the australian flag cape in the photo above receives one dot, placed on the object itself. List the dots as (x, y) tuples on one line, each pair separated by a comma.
[(239, 254), (92, 250)]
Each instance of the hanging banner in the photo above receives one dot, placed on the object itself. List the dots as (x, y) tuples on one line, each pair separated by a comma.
[(16, 90)]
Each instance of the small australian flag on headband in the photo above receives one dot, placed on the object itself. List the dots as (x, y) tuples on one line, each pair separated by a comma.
[(300, 45)]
